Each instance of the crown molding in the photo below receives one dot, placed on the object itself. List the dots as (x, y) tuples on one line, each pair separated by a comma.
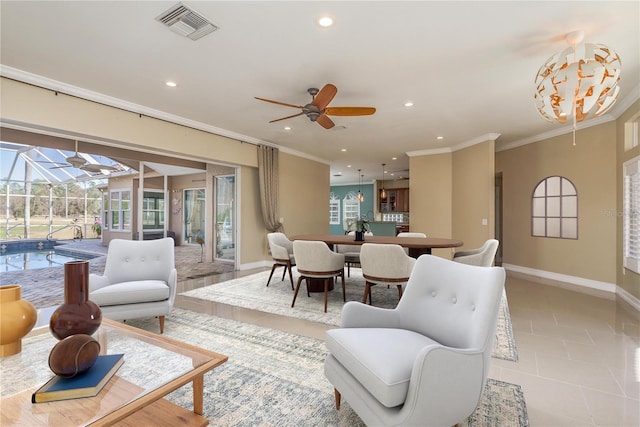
[(616, 111), (477, 140), (57, 86)]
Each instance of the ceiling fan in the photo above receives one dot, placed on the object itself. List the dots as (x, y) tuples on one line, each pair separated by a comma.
[(317, 110), (79, 162)]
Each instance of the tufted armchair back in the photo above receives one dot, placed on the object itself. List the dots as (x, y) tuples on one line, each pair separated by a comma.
[(457, 303), (130, 260)]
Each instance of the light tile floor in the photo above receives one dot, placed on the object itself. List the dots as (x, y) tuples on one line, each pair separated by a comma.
[(579, 353)]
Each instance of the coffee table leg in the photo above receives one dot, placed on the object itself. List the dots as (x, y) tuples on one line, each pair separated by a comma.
[(198, 395)]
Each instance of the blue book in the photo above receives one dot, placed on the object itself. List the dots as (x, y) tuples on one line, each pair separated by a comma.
[(86, 384)]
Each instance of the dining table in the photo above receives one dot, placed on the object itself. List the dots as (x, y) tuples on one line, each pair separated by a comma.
[(417, 245)]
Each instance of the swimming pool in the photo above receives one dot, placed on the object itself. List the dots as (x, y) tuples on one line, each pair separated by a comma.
[(34, 259)]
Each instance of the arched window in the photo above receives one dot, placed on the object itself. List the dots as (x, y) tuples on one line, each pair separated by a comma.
[(334, 208), (351, 206), (554, 209)]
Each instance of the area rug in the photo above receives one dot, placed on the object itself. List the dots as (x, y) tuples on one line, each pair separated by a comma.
[(251, 292), (274, 378)]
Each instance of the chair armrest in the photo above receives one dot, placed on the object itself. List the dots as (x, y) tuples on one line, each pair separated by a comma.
[(358, 315), (446, 382), (96, 282)]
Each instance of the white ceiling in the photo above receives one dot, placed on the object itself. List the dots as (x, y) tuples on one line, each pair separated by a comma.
[(468, 67)]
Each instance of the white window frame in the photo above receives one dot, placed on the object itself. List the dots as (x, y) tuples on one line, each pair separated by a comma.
[(158, 212), (631, 214), (334, 209), (123, 210), (350, 206)]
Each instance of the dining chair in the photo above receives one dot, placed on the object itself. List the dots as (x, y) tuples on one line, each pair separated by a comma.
[(410, 234), (482, 256), (281, 249), (384, 264), (351, 252), (316, 261)]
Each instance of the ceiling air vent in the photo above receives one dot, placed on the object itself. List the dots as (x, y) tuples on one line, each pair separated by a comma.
[(186, 22)]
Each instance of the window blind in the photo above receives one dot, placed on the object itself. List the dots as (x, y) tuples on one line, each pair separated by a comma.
[(631, 215)]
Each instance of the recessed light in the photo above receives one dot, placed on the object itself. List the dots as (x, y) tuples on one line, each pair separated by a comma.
[(348, 166), (394, 158), (287, 128), (439, 137), (171, 84), (408, 104), (325, 21), (343, 150)]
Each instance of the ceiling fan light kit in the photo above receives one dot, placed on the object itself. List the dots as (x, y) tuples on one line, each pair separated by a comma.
[(317, 110), (578, 82)]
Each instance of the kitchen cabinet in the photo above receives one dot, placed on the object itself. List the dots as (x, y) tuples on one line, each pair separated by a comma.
[(397, 200)]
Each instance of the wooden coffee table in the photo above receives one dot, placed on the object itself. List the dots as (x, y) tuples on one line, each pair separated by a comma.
[(154, 367)]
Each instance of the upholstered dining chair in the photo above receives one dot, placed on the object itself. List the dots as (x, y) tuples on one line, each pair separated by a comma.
[(351, 252), (482, 256), (282, 253), (139, 280), (410, 234), (384, 264), (316, 261), (425, 362)]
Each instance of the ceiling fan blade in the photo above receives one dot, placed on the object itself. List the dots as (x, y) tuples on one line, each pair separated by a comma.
[(324, 97), (285, 118), (61, 166), (90, 167), (279, 103), (349, 111), (324, 121)]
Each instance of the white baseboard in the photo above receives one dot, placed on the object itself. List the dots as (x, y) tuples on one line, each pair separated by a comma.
[(257, 264), (578, 281)]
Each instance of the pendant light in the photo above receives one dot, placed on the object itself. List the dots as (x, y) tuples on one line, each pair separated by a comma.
[(360, 194), (383, 193)]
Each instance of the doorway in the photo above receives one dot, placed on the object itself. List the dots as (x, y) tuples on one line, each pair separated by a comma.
[(498, 211)]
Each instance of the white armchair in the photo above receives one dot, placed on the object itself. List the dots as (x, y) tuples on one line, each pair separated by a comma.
[(282, 253), (426, 361), (482, 256), (139, 280)]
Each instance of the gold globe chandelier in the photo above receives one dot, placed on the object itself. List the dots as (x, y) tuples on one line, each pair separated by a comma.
[(578, 83)]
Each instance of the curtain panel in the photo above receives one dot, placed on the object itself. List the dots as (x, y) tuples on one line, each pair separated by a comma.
[(268, 174)]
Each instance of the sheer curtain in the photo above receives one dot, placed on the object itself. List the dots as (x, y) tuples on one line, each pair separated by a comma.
[(268, 173)]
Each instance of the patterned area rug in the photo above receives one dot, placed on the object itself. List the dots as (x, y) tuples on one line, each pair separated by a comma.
[(274, 378), (251, 292)]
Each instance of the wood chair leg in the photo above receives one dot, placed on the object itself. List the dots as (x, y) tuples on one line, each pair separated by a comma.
[(367, 291), (161, 318), (271, 275), (344, 295), (290, 275), (284, 273), (399, 292), (326, 293), (336, 393), (295, 294)]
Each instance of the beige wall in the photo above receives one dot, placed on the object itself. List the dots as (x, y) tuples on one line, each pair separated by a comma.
[(304, 202), (303, 198), (626, 279), (473, 194), (591, 167), (430, 197)]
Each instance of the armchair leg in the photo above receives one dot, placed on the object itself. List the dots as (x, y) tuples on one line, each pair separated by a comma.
[(399, 292), (337, 396), (326, 291), (161, 318), (290, 275)]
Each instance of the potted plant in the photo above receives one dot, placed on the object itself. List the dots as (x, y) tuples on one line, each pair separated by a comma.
[(362, 226), (97, 227)]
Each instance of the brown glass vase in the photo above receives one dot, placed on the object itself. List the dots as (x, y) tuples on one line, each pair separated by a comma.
[(77, 315)]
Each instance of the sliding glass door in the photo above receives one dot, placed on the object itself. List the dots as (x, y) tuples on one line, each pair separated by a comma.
[(225, 188), (194, 215)]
